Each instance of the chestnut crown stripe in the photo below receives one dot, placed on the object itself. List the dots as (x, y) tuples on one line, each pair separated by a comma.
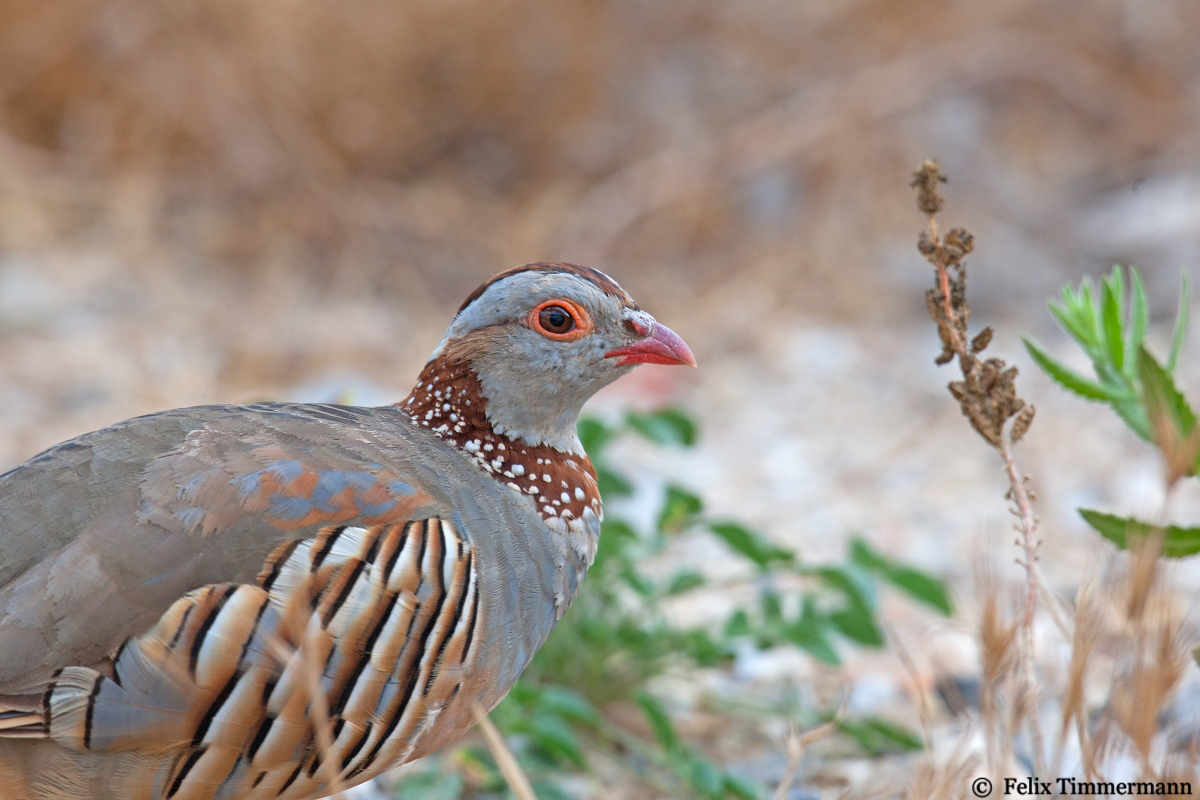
[(594, 276)]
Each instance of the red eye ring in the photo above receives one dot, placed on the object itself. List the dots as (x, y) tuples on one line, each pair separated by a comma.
[(578, 325)]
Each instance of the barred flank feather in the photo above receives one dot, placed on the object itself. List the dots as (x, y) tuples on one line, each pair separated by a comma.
[(217, 685)]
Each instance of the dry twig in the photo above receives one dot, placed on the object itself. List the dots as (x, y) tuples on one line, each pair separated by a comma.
[(505, 760), (923, 705), (997, 637), (317, 704), (796, 744)]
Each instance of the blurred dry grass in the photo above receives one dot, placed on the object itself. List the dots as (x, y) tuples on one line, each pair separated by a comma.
[(410, 148)]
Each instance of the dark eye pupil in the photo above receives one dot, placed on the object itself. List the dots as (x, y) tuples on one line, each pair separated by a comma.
[(556, 320)]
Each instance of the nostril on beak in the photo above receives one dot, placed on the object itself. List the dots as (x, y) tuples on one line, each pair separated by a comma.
[(641, 327)]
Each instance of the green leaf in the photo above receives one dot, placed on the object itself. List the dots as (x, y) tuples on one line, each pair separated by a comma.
[(1076, 313), (858, 625), (1138, 316), (638, 582), (679, 507), (523, 692), (1070, 379), (740, 787), (750, 544), (567, 703), (430, 786), (615, 536), (666, 426), (660, 723), (704, 650), (738, 624), (612, 484), (706, 778), (921, 586), (1159, 395), (545, 790), (478, 759), (850, 581), (772, 606), (808, 633), (865, 556), (593, 435), (551, 734), (1181, 321), (878, 736), (812, 639), (1133, 414), (685, 581), (1124, 531), (1112, 291)]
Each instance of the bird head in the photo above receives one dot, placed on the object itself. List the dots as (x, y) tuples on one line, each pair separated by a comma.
[(543, 338)]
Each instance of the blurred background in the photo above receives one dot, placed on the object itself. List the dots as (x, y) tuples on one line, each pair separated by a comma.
[(214, 201)]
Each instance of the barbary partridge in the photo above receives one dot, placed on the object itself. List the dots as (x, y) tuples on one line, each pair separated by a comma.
[(278, 600)]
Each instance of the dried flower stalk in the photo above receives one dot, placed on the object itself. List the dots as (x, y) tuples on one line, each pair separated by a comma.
[(986, 394)]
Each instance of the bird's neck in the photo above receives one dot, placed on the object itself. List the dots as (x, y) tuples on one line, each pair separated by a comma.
[(449, 400)]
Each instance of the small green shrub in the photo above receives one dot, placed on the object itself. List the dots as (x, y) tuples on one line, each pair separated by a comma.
[(616, 638), (1109, 325)]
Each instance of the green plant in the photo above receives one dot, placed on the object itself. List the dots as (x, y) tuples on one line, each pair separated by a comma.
[(1109, 325), (616, 638)]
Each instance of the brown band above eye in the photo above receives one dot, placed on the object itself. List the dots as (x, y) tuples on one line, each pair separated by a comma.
[(583, 321)]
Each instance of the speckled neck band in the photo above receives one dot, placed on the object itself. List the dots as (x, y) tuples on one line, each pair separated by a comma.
[(448, 399)]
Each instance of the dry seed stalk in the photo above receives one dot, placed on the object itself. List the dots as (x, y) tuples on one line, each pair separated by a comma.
[(997, 655), (986, 394), (1086, 636), (1155, 634), (514, 776), (797, 743)]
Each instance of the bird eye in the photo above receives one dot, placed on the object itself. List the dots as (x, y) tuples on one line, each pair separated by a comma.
[(556, 319), (560, 319)]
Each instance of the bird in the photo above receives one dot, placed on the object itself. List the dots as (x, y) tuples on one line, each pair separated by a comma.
[(282, 600)]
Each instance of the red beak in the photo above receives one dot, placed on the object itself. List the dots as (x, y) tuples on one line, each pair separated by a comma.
[(662, 346)]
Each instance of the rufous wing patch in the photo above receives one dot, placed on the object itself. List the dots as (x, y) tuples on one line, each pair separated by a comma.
[(206, 486)]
